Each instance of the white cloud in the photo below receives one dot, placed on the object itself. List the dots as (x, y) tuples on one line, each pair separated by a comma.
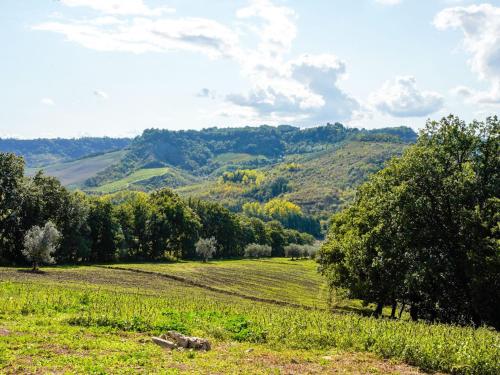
[(278, 31), (119, 7), (480, 25), (147, 35), (48, 102), (101, 94), (306, 92), (402, 98), (303, 89)]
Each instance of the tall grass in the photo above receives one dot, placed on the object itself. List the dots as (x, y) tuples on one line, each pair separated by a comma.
[(431, 347)]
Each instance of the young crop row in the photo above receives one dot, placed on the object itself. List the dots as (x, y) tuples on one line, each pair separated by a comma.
[(431, 347)]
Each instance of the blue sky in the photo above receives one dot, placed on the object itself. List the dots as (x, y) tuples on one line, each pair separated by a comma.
[(73, 68)]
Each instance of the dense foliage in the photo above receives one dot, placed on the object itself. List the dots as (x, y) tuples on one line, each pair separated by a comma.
[(425, 231), (123, 226)]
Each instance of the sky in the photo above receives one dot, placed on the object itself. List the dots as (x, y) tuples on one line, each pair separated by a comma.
[(73, 68)]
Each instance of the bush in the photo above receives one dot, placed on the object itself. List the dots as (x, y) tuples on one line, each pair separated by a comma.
[(255, 250), (296, 251)]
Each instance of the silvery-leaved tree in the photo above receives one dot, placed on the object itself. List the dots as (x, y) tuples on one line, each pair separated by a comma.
[(40, 243), (206, 248)]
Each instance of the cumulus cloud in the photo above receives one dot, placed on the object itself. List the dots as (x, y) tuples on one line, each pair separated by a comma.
[(308, 90), (48, 102), (402, 98), (120, 7), (305, 88), (101, 94), (480, 25)]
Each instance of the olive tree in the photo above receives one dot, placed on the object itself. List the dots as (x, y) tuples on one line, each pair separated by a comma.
[(40, 243), (206, 248), (255, 250)]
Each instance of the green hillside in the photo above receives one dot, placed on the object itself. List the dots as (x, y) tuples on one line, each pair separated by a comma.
[(316, 168), (146, 179), (320, 182), (74, 173)]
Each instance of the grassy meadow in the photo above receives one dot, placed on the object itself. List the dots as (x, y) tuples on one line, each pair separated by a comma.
[(99, 319)]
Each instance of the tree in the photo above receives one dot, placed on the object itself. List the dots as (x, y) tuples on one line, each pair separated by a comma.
[(11, 180), (104, 231), (423, 232), (40, 244), (218, 222), (293, 251), (276, 235), (174, 226), (206, 248)]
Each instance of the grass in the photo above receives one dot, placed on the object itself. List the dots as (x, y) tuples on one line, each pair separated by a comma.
[(276, 279), (124, 183), (76, 172), (235, 158), (99, 320)]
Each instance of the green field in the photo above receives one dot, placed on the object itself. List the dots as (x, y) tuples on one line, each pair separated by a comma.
[(99, 319), (76, 172), (124, 183), (236, 158)]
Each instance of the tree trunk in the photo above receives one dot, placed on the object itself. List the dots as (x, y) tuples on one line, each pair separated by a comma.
[(402, 309), (393, 311), (378, 310), (413, 313)]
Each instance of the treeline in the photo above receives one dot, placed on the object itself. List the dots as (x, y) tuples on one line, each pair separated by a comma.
[(126, 226), (424, 232), (287, 213)]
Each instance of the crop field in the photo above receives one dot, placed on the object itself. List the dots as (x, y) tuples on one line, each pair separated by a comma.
[(99, 319), (276, 279), (76, 172), (122, 184)]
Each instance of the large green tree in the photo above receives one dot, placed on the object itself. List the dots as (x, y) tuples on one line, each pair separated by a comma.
[(174, 226), (11, 180), (424, 231)]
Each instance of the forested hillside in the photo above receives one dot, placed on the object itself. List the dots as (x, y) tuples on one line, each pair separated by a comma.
[(197, 151), (316, 168)]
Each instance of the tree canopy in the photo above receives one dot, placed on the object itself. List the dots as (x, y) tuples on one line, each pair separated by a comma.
[(425, 230)]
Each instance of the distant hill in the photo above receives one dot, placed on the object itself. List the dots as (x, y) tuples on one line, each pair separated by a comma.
[(43, 152), (316, 168)]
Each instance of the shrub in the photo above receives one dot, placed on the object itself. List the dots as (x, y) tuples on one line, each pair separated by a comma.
[(255, 250)]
